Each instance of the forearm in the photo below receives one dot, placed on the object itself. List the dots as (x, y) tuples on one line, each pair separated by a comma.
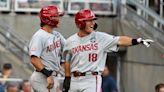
[(39, 66), (125, 41), (37, 63), (67, 69), (67, 79)]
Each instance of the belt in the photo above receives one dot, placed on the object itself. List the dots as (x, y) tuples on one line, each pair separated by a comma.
[(78, 74)]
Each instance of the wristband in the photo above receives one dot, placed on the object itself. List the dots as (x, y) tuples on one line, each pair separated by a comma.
[(46, 72), (135, 42)]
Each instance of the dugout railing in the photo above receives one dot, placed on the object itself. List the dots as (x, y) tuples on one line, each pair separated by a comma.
[(146, 19), (14, 43), (143, 10)]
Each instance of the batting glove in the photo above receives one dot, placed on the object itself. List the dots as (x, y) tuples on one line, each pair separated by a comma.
[(145, 42), (66, 84)]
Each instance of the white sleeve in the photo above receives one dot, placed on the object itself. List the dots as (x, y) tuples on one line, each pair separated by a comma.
[(110, 43), (36, 46), (63, 41)]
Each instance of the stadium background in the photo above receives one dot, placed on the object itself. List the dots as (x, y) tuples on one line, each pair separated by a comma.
[(136, 69)]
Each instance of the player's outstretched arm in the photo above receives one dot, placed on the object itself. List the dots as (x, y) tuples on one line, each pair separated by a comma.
[(128, 41), (67, 68)]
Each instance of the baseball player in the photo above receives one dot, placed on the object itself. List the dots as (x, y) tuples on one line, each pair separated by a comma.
[(85, 53), (45, 51)]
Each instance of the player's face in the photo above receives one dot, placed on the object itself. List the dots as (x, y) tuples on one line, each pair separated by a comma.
[(89, 25), (161, 89)]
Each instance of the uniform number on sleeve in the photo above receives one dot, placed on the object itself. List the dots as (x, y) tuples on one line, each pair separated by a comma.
[(92, 57)]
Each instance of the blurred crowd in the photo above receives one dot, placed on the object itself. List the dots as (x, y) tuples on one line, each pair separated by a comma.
[(9, 84)]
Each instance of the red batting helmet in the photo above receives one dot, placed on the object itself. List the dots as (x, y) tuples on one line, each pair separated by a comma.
[(83, 15), (47, 13)]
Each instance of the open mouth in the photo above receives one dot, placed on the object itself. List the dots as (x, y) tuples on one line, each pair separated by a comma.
[(91, 26)]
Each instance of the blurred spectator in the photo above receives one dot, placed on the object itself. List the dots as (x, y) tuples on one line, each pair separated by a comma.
[(159, 87), (11, 88), (108, 83), (25, 86), (6, 71), (2, 88)]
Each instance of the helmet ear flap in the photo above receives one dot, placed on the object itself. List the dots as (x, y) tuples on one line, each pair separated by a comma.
[(95, 26), (81, 25)]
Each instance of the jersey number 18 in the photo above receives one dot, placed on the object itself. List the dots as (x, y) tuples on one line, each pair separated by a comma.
[(92, 57)]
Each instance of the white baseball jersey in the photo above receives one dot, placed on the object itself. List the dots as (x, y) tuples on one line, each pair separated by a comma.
[(48, 47), (88, 54)]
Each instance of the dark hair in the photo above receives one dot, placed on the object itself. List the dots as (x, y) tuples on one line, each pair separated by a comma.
[(23, 83), (9, 85), (159, 86), (7, 66)]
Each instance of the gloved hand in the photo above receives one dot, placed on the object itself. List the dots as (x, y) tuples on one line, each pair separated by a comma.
[(66, 84), (145, 42)]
